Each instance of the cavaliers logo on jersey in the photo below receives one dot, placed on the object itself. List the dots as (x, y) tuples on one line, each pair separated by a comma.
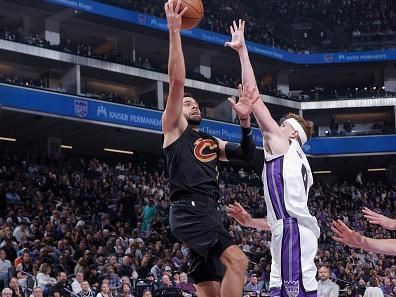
[(205, 150)]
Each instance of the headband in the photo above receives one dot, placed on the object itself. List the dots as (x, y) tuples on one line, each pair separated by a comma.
[(296, 126)]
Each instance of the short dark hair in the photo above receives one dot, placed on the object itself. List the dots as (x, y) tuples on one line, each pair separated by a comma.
[(186, 94)]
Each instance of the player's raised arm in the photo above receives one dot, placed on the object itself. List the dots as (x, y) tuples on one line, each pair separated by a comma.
[(246, 149), (173, 121), (268, 125)]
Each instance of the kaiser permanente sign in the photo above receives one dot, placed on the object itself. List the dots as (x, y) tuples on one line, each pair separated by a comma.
[(112, 114), (215, 38)]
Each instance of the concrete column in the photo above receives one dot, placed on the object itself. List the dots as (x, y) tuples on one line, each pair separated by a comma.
[(71, 80), (390, 77), (52, 32), (223, 112), (160, 95), (282, 80), (204, 67)]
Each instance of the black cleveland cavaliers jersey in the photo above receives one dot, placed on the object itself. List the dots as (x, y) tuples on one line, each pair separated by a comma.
[(192, 164)]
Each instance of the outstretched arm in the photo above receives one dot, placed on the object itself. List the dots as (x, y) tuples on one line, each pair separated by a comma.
[(238, 213), (356, 240), (268, 125), (246, 149), (376, 218), (173, 122)]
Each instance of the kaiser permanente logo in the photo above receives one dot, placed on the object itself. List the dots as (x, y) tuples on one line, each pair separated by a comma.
[(128, 119)]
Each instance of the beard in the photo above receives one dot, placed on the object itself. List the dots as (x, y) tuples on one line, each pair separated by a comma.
[(194, 122)]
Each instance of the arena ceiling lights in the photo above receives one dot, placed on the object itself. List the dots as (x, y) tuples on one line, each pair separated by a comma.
[(68, 147), (7, 139), (376, 169), (323, 172), (118, 151)]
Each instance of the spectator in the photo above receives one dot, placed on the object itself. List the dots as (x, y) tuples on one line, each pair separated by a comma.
[(156, 270), (76, 284), (185, 285), (93, 277), (149, 212), (333, 127), (126, 290), (16, 289), (6, 292), (114, 279), (38, 292), (105, 291), (326, 288), (166, 282), (147, 293), (348, 128), (44, 280), (253, 285), (61, 287), (373, 290), (25, 269), (5, 265), (125, 268), (85, 290)]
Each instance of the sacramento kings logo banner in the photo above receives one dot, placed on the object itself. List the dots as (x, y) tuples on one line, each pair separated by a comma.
[(81, 108)]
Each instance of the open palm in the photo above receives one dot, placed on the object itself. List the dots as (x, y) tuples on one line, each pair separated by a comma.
[(238, 213), (237, 34), (379, 219), (247, 97), (346, 235)]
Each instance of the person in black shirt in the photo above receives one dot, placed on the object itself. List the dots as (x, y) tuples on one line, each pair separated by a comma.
[(217, 265), (61, 285)]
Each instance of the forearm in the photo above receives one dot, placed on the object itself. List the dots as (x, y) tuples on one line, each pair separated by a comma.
[(260, 111), (393, 224), (382, 246), (245, 150), (176, 67), (259, 224), (247, 68)]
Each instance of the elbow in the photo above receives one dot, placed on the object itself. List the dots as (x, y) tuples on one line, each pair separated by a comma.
[(175, 81)]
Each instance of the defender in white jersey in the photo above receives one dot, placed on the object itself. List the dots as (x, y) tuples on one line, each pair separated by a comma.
[(287, 178)]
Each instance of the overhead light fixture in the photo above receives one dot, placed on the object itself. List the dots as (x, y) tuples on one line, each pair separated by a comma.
[(376, 169), (118, 151), (322, 172), (8, 139), (66, 147)]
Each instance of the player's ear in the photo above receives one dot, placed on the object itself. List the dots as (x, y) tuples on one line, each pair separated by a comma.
[(294, 134)]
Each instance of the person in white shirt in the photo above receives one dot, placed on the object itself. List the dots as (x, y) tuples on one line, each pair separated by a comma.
[(105, 291), (326, 288), (20, 231), (76, 284), (44, 280), (373, 290), (4, 266)]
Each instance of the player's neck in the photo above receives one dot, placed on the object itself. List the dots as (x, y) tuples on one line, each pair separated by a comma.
[(195, 127)]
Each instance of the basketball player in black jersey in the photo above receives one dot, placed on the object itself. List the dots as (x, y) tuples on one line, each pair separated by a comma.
[(217, 265)]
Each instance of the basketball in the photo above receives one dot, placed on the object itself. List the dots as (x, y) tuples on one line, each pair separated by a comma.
[(193, 15)]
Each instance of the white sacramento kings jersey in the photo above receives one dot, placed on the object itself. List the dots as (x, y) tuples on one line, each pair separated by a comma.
[(287, 179)]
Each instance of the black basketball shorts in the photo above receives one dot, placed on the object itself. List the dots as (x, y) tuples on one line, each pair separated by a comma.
[(197, 223)]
